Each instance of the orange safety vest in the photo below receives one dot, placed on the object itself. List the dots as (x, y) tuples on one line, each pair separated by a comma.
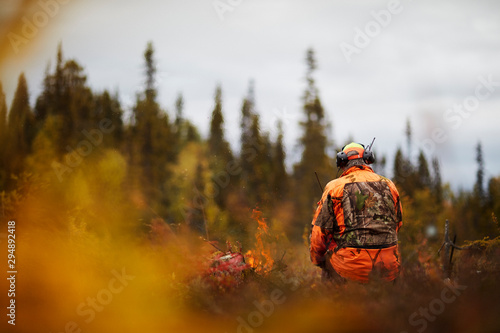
[(355, 226)]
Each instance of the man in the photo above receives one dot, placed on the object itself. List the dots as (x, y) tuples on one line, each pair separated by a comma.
[(355, 227)]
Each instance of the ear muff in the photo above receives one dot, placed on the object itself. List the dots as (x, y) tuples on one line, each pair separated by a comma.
[(342, 159), (368, 157)]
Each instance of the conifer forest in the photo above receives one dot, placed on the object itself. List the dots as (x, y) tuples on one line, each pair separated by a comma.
[(131, 217)]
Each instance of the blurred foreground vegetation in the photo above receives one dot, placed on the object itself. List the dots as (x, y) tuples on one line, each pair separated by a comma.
[(97, 191)]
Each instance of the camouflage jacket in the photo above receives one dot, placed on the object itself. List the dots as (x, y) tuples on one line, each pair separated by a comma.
[(360, 210)]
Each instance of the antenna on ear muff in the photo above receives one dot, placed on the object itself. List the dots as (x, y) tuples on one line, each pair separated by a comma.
[(368, 155)]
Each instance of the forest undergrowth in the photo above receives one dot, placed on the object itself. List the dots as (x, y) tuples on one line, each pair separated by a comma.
[(100, 274)]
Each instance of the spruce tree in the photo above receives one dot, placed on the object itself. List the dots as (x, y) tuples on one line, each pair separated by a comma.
[(437, 185), (479, 185), (41, 109), (314, 144), (67, 97), (478, 202), (280, 176), (424, 176), (61, 103), (107, 107), (185, 131), (250, 143), (196, 207), (219, 151), (150, 72), (152, 141), (257, 178), (258, 186), (58, 82), (179, 118), (247, 112), (399, 170), (406, 175), (494, 200), (80, 112), (217, 145), (408, 134), (21, 130)]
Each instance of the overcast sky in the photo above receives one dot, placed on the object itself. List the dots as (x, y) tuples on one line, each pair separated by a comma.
[(379, 63)]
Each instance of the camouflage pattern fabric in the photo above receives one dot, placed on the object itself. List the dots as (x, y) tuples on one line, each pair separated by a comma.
[(326, 218), (370, 216)]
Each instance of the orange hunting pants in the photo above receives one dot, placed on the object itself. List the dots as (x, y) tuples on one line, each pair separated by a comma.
[(366, 264)]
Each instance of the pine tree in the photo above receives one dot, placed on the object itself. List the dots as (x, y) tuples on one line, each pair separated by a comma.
[(406, 176), (58, 83), (107, 107), (192, 133), (400, 172), (51, 101), (185, 131), (60, 102), (424, 176), (219, 151), (437, 182), (67, 97), (196, 212), (479, 185), (477, 203), (150, 71), (247, 112), (408, 133), (494, 199), (258, 181), (152, 141), (250, 140), (41, 109), (20, 131), (179, 117), (280, 176), (218, 146), (314, 144), (80, 113)]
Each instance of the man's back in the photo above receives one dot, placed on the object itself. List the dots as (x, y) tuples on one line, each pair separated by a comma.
[(366, 214), (355, 225)]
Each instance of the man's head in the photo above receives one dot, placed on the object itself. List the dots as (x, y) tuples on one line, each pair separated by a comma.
[(354, 154)]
